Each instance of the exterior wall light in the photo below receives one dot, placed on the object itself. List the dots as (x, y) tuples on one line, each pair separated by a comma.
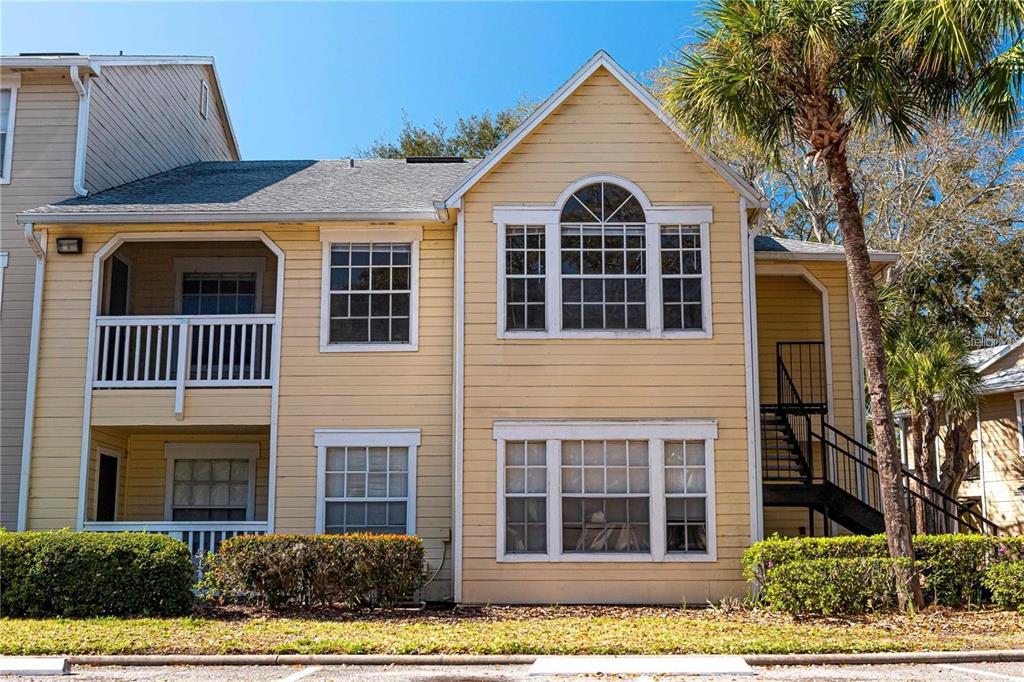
[(69, 245)]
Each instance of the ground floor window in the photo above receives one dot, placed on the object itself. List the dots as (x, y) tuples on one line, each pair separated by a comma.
[(366, 480), (605, 491), (211, 481)]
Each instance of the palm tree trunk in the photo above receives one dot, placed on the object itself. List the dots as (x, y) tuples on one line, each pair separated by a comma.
[(917, 448), (865, 296)]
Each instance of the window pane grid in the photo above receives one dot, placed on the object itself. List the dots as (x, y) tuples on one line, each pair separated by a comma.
[(366, 489), (227, 293), (604, 276), (210, 489), (525, 276), (681, 278), (370, 293), (525, 497), (605, 496), (686, 496)]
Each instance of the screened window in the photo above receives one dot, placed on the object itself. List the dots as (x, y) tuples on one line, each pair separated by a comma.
[(686, 496), (366, 489), (525, 497), (211, 489), (604, 260), (6, 133), (370, 293), (605, 496), (524, 278), (681, 278), (218, 293)]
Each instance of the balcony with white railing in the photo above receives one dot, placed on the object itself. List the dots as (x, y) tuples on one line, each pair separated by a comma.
[(180, 352), (200, 538)]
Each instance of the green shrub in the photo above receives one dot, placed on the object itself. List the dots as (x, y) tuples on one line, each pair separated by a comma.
[(63, 573), (304, 570), (1006, 583), (951, 566), (832, 586)]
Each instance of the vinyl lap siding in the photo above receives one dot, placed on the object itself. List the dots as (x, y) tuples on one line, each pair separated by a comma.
[(1002, 462), (318, 390), (145, 120), (41, 172), (602, 129)]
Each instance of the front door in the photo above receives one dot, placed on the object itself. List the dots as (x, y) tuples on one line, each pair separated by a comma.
[(106, 488)]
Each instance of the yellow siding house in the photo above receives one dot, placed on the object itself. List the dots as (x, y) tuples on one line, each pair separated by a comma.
[(574, 367)]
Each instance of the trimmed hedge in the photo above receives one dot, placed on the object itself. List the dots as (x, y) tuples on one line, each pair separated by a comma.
[(1006, 583), (830, 586), (63, 573), (303, 570), (952, 566)]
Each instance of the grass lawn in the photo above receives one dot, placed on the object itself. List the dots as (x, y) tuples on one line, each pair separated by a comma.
[(516, 630)]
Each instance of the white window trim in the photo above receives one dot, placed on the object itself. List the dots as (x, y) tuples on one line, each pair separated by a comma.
[(5, 172), (176, 451), (217, 265), (329, 237), (338, 438), (119, 456), (656, 432), (1018, 398), (204, 99), (548, 216)]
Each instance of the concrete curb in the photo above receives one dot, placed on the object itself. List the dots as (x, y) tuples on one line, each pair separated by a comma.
[(761, 660)]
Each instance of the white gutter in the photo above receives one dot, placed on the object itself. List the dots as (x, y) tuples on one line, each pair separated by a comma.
[(33, 371), (459, 398), (140, 217), (84, 90)]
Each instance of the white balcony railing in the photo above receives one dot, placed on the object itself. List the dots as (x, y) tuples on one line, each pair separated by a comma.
[(179, 352), (199, 537)]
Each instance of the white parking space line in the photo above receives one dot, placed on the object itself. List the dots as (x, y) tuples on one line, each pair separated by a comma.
[(983, 673), (305, 672)]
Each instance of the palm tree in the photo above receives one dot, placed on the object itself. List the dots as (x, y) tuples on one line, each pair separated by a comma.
[(929, 376), (810, 72)]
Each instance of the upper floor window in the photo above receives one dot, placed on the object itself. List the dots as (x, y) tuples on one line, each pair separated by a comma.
[(370, 294), (603, 261), (8, 97)]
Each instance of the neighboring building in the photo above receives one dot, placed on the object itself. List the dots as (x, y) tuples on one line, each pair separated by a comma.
[(998, 481), (74, 125), (571, 367)]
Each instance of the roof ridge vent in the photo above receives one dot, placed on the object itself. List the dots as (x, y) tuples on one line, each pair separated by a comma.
[(434, 159)]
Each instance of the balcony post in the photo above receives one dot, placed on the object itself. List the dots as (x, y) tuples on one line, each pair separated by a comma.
[(184, 339)]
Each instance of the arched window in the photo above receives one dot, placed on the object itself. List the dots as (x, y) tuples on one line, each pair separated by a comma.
[(604, 260)]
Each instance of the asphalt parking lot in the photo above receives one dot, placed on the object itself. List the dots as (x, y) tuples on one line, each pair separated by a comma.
[(943, 672)]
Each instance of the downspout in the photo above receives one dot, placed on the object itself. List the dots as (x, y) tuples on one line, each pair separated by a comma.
[(33, 370), (459, 398), (981, 461), (84, 90), (750, 352)]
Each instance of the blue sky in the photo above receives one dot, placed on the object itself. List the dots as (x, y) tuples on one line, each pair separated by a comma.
[(319, 80)]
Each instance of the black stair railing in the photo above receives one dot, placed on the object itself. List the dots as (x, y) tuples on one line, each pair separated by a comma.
[(799, 446), (803, 364)]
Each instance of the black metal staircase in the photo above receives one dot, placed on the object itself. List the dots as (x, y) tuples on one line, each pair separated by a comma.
[(806, 462)]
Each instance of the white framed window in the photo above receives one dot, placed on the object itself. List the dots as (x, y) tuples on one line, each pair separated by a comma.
[(8, 108), (614, 265), (366, 480), (606, 491), (210, 481), (204, 99), (370, 290), (219, 285)]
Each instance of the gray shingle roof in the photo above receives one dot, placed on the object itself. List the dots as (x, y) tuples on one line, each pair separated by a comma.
[(1011, 379), (277, 187), (979, 357), (796, 248)]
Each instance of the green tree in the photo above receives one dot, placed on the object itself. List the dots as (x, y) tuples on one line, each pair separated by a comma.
[(931, 377), (472, 136), (775, 72)]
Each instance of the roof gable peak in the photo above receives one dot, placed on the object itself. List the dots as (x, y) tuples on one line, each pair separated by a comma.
[(600, 59)]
